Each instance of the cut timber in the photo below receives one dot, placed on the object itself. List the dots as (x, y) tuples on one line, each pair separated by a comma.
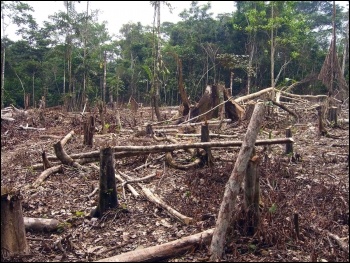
[(163, 251), (40, 224), (234, 183), (13, 235)]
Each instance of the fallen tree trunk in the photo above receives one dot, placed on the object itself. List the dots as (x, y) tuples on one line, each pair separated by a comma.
[(127, 151), (40, 224), (163, 251), (234, 183), (253, 95)]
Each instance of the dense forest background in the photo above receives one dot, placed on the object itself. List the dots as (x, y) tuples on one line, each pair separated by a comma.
[(72, 57)]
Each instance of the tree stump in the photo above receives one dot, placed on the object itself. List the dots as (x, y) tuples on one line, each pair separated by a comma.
[(108, 190), (89, 129), (251, 195), (332, 116), (205, 138), (13, 235), (322, 131), (289, 146)]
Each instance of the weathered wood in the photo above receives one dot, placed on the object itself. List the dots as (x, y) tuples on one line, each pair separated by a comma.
[(13, 235), (205, 138), (254, 95), (332, 115), (66, 138), (289, 146), (127, 151), (108, 191), (47, 173), (251, 195), (89, 130), (284, 108), (46, 162), (64, 157), (41, 224), (233, 110), (170, 161), (234, 183), (163, 251), (321, 130)]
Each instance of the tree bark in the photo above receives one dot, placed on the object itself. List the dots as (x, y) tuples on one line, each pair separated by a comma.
[(40, 224), (108, 190), (13, 235), (234, 183)]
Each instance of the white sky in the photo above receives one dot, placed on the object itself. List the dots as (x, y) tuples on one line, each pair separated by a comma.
[(118, 13)]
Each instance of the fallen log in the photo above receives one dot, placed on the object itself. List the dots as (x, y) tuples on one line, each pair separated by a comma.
[(253, 95), (41, 224), (163, 251), (47, 173), (127, 151)]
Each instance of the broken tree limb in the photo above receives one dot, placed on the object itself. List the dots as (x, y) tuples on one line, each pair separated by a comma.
[(163, 251), (284, 108), (234, 183), (47, 173), (159, 202), (67, 137), (40, 224), (30, 128), (155, 199), (46, 162)]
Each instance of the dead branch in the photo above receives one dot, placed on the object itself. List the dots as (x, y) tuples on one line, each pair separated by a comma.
[(163, 251), (253, 95), (159, 202), (31, 128), (47, 173), (284, 108)]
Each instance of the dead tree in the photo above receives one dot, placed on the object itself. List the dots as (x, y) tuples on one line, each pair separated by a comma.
[(209, 100), (234, 183), (108, 191), (13, 235)]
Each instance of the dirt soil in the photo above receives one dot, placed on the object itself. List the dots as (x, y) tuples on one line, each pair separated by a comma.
[(313, 184)]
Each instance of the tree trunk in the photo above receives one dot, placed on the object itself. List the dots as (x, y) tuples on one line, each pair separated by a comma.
[(205, 138), (13, 235), (108, 190), (233, 185), (89, 129)]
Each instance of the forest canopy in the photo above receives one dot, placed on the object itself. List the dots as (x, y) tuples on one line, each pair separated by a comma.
[(262, 44)]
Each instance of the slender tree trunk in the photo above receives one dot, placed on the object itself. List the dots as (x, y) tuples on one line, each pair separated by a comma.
[(233, 185), (346, 46), (3, 77), (104, 76)]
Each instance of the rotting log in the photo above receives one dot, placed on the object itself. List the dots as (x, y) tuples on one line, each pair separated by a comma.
[(234, 183), (163, 251), (13, 235), (41, 224)]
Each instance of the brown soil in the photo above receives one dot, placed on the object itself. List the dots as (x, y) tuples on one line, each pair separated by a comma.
[(315, 186)]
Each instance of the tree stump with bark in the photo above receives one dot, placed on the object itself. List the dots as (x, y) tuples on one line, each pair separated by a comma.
[(89, 129), (108, 191), (13, 235)]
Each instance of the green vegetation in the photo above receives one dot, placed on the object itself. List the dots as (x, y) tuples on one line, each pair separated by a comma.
[(264, 43)]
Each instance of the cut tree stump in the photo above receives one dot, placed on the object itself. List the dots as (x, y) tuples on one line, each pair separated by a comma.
[(13, 235), (108, 189), (89, 129)]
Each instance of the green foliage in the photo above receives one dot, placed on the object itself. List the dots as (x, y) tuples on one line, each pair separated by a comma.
[(66, 53)]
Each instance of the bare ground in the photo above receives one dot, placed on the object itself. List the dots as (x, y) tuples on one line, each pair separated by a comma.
[(314, 186)]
